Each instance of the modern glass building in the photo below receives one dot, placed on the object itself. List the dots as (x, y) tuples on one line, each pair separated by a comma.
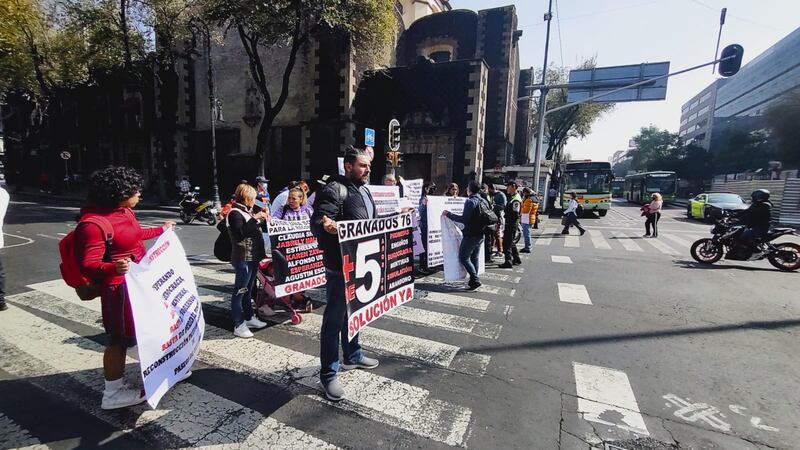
[(743, 100)]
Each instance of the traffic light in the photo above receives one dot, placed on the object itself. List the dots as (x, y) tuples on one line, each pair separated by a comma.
[(728, 67), (393, 158), (394, 135)]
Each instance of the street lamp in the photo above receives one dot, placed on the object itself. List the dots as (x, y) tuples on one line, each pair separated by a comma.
[(201, 28)]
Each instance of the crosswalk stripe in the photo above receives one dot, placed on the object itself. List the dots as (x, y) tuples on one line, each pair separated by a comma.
[(601, 390), (662, 247), (561, 259), (411, 347), (546, 237), (370, 395), (598, 240), (187, 413), (453, 300), (448, 322), (17, 437), (627, 242), (573, 293), (497, 290), (572, 241), (693, 237), (484, 276), (678, 240)]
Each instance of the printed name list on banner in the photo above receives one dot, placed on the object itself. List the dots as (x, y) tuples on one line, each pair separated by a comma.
[(386, 198), (437, 204), (167, 315), (377, 265), (296, 256)]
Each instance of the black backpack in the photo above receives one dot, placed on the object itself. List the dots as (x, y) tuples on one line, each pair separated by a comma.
[(483, 216), (222, 246)]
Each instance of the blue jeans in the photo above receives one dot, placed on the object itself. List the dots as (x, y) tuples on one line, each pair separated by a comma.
[(241, 306), (526, 235), (468, 254), (334, 328)]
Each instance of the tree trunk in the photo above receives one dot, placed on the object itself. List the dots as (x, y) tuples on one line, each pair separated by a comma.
[(263, 143), (126, 38)]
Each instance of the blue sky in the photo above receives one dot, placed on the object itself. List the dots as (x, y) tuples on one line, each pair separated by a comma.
[(618, 32)]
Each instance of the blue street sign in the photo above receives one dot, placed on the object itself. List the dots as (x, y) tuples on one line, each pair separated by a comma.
[(369, 137)]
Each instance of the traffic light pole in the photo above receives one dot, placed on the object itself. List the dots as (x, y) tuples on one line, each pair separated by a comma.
[(537, 153)]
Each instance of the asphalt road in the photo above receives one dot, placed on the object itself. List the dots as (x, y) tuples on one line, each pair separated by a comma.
[(603, 338)]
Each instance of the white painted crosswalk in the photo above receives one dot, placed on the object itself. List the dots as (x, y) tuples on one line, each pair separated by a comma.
[(601, 391), (627, 240)]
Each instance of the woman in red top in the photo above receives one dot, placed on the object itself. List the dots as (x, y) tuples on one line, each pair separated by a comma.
[(113, 192)]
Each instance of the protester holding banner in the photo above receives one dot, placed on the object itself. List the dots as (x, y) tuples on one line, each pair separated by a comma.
[(389, 180), (512, 214), (428, 188), (247, 248), (452, 190), (472, 239), (296, 207), (343, 198), (113, 192)]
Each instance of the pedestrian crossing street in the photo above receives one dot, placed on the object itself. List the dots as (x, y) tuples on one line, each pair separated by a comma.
[(64, 358), (618, 239)]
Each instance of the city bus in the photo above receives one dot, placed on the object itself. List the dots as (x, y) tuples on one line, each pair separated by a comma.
[(591, 180), (618, 187), (639, 187)]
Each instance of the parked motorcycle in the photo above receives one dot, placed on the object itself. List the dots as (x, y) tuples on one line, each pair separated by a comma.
[(725, 241), (192, 208)]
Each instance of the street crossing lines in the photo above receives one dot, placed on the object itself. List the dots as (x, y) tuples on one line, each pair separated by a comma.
[(370, 395), (627, 242), (188, 413), (546, 238), (561, 259), (598, 241), (662, 247), (601, 391), (675, 238), (484, 276), (572, 241), (15, 436), (448, 322), (459, 301), (573, 293)]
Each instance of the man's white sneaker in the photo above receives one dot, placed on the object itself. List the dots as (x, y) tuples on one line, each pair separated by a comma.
[(242, 331), (266, 311), (122, 398), (255, 323)]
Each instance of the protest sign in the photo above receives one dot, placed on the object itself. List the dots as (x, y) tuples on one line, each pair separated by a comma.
[(437, 204), (296, 256), (451, 242), (377, 265), (412, 190), (340, 165), (167, 315), (386, 199)]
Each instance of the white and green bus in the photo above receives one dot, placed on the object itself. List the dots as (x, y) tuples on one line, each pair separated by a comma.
[(591, 181), (641, 186)]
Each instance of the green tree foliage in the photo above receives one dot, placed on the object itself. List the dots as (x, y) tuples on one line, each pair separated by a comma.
[(738, 150), (369, 25), (574, 122), (658, 149), (783, 120)]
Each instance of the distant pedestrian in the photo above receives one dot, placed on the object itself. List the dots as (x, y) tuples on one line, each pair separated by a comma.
[(245, 229), (343, 198), (499, 205), (389, 180), (262, 193), (452, 190), (512, 214), (551, 198), (529, 216), (472, 238), (185, 186), (653, 214), (4, 201), (488, 232), (113, 193), (571, 215)]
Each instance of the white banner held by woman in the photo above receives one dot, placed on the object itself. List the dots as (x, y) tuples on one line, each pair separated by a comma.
[(167, 315)]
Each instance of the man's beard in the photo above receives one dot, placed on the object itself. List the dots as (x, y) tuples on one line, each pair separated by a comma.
[(358, 180)]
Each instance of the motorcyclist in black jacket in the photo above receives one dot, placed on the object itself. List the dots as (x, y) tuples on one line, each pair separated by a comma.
[(757, 217)]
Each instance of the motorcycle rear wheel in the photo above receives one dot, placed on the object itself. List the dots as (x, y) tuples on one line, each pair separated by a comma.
[(780, 263), (185, 218), (705, 251), (211, 220)]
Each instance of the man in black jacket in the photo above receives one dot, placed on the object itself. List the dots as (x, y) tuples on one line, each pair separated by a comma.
[(757, 217), (343, 198), (472, 238), (512, 212)]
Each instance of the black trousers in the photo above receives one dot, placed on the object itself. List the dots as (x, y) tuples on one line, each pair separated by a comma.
[(652, 219), (571, 219), (509, 247), (488, 243)]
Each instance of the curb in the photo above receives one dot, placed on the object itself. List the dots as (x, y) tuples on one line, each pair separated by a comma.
[(81, 200)]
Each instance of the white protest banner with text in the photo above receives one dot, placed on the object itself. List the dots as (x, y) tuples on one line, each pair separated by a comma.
[(167, 315), (412, 190), (296, 256), (437, 204), (386, 198), (451, 243)]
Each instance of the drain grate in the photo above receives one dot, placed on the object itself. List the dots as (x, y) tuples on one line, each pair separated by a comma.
[(646, 443)]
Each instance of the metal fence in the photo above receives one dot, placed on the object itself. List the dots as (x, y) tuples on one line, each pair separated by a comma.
[(784, 194)]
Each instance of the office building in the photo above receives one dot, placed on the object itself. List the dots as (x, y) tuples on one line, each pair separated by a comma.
[(697, 116)]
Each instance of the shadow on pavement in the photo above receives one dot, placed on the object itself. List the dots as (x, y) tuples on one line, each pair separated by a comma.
[(686, 264)]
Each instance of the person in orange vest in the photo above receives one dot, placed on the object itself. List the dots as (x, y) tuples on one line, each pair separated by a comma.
[(530, 212)]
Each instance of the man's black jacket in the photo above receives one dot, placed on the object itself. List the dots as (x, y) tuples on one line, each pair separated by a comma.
[(329, 203)]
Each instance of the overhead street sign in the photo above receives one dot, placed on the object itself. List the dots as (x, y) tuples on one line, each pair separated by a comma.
[(586, 83), (369, 137)]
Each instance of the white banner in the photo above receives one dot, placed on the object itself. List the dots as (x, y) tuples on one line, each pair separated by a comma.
[(437, 204), (451, 242), (386, 198), (167, 315), (412, 190), (340, 164), (296, 256)]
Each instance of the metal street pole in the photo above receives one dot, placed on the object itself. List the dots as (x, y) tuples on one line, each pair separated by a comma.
[(537, 155), (212, 99), (719, 36)]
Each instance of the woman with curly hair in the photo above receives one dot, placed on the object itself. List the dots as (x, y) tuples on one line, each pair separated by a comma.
[(113, 192)]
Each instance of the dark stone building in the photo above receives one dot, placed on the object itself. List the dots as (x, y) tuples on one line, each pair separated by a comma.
[(523, 134)]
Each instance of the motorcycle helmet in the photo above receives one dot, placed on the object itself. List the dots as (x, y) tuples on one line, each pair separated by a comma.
[(197, 189), (760, 195)]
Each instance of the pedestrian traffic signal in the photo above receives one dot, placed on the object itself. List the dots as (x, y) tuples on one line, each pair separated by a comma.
[(394, 135), (730, 60)]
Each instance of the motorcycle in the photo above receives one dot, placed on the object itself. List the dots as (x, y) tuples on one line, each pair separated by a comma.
[(725, 241), (191, 208)]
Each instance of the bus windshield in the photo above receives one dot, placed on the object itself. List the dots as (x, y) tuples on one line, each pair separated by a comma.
[(588, 182), (663, 184)]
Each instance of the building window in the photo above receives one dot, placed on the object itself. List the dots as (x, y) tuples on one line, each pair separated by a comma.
[(702, 110), (441, 56), (705, 97)]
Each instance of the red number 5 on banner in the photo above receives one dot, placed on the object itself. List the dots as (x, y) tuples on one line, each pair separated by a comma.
[(366, 266)]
